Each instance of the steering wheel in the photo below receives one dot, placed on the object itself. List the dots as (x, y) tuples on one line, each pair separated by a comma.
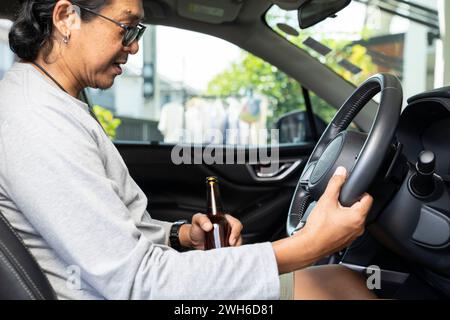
[(361, 154)]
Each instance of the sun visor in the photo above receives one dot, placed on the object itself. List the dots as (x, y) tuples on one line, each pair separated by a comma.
[(216, 12), (290, 4)]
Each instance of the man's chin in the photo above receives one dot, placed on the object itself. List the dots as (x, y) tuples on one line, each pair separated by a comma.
[(105, 84)]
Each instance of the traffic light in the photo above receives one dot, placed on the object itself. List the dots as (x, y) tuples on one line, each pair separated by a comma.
[(149, 80)]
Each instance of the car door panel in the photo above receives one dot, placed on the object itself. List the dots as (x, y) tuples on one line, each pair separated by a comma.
[(178, 191)]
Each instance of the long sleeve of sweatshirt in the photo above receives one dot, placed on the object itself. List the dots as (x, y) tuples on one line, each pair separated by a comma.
[(67, 191)]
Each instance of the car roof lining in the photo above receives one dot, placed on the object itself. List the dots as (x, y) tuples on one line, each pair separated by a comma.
[(250, 32)]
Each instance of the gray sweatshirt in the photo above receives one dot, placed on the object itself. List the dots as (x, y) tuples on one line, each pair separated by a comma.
[(66, 190)]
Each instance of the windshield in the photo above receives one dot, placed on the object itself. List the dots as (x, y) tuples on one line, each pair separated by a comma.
[(397, 37)]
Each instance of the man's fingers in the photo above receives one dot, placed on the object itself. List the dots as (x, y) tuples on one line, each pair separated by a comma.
[(236, 228), (335, 184), (364, 204), (203, 221)]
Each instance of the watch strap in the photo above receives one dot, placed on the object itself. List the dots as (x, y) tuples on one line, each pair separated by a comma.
[(174, 236)]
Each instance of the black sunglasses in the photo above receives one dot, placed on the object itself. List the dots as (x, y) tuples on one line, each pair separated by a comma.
[(131, 33)]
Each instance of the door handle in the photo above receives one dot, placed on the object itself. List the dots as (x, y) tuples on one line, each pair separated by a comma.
[(259, 173), (269, 175)]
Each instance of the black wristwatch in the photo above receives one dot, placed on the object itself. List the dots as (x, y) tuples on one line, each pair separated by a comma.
[(174, 236)]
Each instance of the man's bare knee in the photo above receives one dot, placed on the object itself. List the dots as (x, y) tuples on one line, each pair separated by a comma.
[(330, 282)]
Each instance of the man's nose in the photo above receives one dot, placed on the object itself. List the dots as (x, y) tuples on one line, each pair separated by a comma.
[(133, 48)]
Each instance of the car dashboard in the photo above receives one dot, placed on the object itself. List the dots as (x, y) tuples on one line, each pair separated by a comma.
[(415, 222)]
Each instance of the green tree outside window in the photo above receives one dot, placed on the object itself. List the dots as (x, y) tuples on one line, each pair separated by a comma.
[(107, 120)]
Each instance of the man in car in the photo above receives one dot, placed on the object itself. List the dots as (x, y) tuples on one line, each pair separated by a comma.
[(66, 190)]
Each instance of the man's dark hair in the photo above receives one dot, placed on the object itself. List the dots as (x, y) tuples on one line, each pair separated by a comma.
[(33, 27)]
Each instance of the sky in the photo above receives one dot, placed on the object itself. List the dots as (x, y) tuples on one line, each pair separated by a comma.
[(189, 57)]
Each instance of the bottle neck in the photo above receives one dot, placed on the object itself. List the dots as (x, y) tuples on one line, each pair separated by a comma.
[(214, 204)]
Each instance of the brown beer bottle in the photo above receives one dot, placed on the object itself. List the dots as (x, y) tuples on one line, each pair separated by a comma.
[(219, 236)]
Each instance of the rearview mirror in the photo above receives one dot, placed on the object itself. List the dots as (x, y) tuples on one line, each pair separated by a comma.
[(290, 4), (315, 11)]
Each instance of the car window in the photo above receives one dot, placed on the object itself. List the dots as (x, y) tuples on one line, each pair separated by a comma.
[(6, 56), (187, 87), (368, 37)]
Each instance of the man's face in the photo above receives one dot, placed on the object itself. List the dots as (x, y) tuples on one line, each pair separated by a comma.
[(100, 51)]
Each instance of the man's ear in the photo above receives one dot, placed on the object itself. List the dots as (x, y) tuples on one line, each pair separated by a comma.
[(66, 18)]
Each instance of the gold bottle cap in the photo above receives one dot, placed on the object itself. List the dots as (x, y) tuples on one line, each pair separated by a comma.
[(212, 179)]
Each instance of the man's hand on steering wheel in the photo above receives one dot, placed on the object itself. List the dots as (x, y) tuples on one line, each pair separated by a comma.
[(361, 153), (333, 226), (330, 228)]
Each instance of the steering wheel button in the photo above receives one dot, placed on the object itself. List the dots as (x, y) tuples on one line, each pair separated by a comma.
[(304, 180), (327, 159)]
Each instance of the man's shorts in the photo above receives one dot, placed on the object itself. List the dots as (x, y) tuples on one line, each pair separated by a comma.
[(287, 286)]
